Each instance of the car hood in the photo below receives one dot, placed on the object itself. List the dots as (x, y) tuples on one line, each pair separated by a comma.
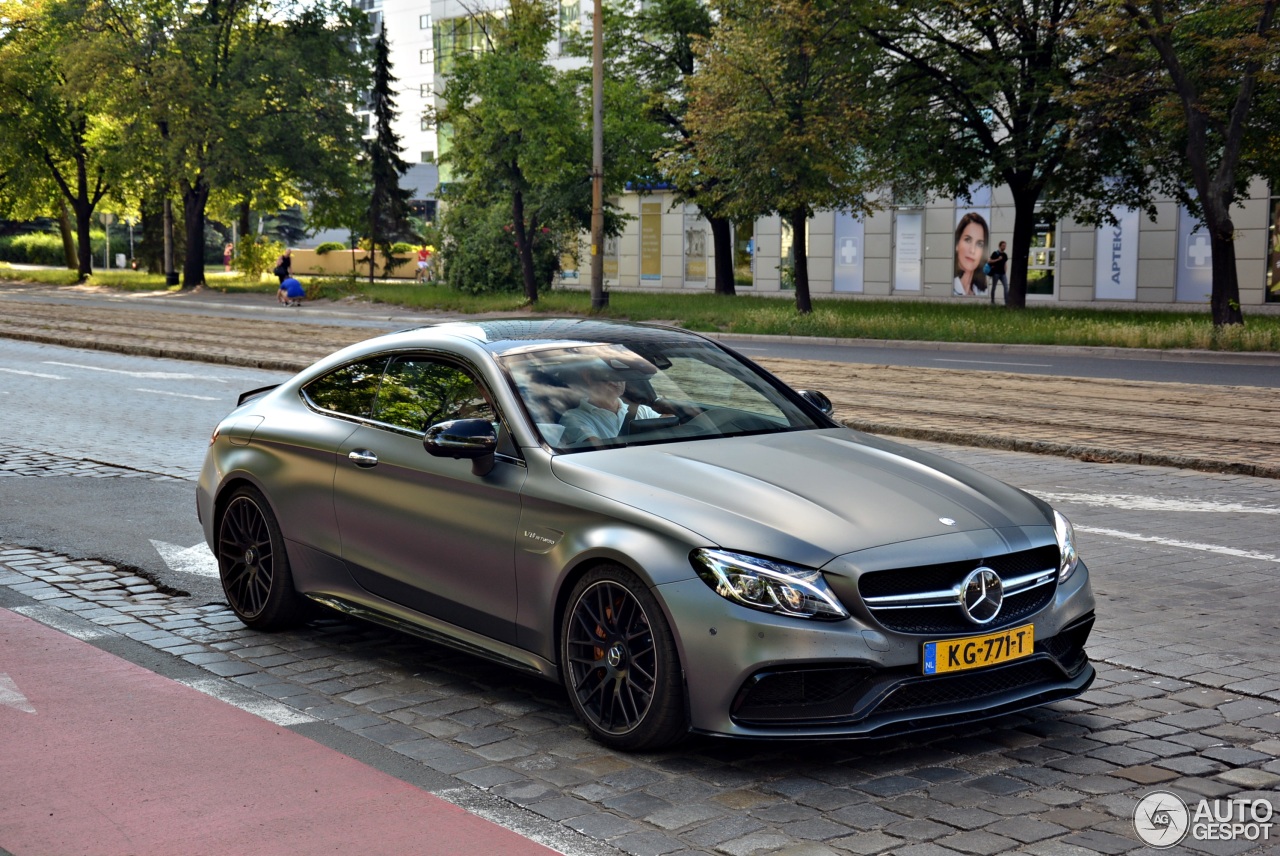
[(803, 496)]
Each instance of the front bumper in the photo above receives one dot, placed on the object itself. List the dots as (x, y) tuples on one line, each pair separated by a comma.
[(751, 674)]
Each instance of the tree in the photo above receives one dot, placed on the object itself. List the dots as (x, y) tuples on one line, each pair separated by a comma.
[(230, 93), (1192, 85), (49, 121), (776, 118), (388, 210), (652, 44), (515, 131), (980, 92)]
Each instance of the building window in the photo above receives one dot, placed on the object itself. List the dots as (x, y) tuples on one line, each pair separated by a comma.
[(428, 157), (424, 22), (570, 20), (424, 56), (424, 90), (425, 124)]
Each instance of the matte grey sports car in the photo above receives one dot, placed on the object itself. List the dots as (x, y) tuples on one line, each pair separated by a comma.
[(641, 513)]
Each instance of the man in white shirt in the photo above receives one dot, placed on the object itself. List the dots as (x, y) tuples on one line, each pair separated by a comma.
[(601, 413)]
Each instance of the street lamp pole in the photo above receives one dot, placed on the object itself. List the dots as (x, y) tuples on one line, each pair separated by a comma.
[(599, 299)]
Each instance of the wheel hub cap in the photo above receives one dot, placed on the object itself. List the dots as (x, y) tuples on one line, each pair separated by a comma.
[(251, 556), (616, 655)]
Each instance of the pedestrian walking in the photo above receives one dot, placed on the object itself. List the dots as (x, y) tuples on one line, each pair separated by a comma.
[(998, 261), (228, 252)]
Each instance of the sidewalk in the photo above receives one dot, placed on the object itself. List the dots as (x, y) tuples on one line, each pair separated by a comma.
[(102, 756), (1210, 428)]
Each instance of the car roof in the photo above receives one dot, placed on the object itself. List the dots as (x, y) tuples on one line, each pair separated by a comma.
[(502, 336)]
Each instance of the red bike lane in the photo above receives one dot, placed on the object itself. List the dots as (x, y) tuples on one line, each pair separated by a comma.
[(99, 757)]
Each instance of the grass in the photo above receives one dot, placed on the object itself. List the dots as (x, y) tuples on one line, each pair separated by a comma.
[(867, 319)]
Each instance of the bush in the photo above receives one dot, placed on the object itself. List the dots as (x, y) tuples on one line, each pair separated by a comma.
[(479, 252), (45, 248), (254, 258), (403, 247), (329, 247)]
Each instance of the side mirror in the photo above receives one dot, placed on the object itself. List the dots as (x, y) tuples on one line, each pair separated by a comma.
[(473, 439), (818, 400)]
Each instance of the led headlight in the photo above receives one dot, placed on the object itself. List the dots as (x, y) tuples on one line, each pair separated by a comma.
[(1065, 533), (768, 586)]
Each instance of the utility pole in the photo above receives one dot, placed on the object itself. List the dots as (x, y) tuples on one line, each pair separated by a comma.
[(599, 298)]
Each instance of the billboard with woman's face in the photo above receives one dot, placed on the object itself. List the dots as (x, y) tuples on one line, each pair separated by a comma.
[(971, 254)]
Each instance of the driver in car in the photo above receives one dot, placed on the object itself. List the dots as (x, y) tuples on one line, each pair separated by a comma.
[(601, 414)]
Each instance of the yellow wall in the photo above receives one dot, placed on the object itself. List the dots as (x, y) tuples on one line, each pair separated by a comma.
[(338, 263)]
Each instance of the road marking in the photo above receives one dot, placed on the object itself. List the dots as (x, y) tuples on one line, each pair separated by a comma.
[(995, 363), (65, 622), (11, 696), (271, 711), (1133, 502), (1186, 545), (180, 394), (34, 374), (144, 375), (196, 560)]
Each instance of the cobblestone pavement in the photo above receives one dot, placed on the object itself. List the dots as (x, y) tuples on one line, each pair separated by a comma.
[(1171, 709), (1211, 428)]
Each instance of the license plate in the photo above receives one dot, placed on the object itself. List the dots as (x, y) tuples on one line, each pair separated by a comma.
[(975, 652)]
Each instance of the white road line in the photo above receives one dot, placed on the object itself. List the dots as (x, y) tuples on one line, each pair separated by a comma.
[(1186, 545), (994, 363), (180, 394), (144, 375), (1133, 502), (34, 374), (271, 711)]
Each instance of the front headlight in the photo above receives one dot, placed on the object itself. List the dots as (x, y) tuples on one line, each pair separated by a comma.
[(1065, 533), (768, 586)]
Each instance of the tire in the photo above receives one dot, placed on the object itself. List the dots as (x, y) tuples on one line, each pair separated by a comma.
[(619, 662), (253, 564)]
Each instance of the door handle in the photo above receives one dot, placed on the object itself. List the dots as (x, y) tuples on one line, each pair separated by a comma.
[(363, 458)]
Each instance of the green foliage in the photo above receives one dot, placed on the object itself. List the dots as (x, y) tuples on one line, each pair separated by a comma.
[(329, 247), (519, 140), (402, 247), (254, 258), (45, 248), (388, 211), (481, 257)]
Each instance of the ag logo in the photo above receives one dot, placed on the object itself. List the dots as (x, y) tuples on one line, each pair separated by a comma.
[(1161, 819)]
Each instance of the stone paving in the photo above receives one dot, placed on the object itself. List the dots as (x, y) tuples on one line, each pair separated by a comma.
[(1059, 780)]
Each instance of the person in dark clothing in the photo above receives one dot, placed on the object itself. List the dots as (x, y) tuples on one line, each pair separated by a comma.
[(998, 261)]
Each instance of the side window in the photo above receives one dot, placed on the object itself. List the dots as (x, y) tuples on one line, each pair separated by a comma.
[(349, 390), (419, 392)]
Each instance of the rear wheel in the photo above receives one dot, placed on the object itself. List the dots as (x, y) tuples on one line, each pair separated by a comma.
[(620, 664), (253, 564)]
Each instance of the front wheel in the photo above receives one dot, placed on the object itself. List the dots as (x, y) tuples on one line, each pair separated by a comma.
[(253, 564), (619, 662)]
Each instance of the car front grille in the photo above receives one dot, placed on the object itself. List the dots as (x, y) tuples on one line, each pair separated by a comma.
[(864, 694), (925, 599)]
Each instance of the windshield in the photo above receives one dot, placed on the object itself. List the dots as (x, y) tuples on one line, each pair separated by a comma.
[(594, 396)]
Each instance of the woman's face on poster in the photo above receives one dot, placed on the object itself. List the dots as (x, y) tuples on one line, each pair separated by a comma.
[(971, 248)]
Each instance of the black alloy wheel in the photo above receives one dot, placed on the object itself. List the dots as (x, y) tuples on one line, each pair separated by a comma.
[(253, 564), (620, 664)]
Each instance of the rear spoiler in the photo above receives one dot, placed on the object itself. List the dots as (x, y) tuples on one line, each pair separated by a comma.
[(254, 393)]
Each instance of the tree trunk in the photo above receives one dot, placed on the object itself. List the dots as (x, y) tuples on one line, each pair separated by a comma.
[(1024, 227), (68, 241), (799, 222), (242, 223), (1225, 297), (722, 247), (525, 248), (194, 198), (84, 249)]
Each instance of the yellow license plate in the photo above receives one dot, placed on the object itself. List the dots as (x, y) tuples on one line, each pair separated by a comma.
[(974, 652)]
